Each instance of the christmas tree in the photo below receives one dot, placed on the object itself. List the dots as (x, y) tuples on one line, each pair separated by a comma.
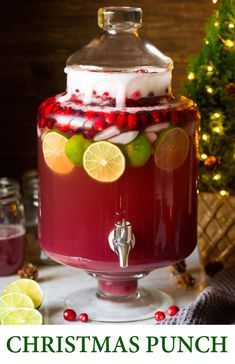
[(211, 83)]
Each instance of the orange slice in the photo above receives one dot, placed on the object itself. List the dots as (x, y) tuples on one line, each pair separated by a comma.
[(53, 147), (171, 148), (104, 161)]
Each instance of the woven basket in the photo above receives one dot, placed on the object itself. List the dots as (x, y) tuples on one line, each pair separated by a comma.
[(216, 229)]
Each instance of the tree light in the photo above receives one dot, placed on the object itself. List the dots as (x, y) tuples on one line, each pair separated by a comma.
[(207, 42), (229, 43), (205, 137), (223, 193), (204, 156), (209, 89), (214, 1), (218, 129), (231, 25), (216, 115), (217, 177), (209, 68), (216, 23), (191, 76)]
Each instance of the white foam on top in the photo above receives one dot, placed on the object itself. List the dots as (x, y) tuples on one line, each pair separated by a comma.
[(119, 85), (11, 231)]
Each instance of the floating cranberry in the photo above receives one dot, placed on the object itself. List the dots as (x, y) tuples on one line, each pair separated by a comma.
[(105, 95), (121, 120), (159, 316), (136, 95), (164, 115), (111, 118), (89, 115), (63, 127), (156, 116), (99, 123), (132, 121), (89, 133), (172, 310), (69, 314), (144, 118), (51, 123), (175, 119), (83, 317)]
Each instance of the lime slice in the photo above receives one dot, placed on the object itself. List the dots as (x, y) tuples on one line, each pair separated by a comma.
[(28, 287), (171, 148), (138, 151), (75, 148), (53, 147), (104, 162), (10, 301), (22, 316)]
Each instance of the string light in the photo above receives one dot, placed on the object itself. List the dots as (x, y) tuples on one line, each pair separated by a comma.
[(223, 193), (217, 177), (218, 129), (231, 26), (191, 76), (216, 23), (214, 1), (204, 156), (209, 68), (209, 89), (229, 43), (205, 137), (207, 42)]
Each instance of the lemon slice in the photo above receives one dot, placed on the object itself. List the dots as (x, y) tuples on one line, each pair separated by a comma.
[(28, 287), (104, 162), (22, 316), (53, 147), (10, 301), (171, 148)]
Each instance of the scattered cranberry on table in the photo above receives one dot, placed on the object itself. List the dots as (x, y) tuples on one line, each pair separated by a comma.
[(70, 315), (83, 317), (159, 316), (172, 310)]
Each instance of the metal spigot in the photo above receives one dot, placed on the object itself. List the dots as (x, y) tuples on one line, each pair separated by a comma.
[(122, 240)]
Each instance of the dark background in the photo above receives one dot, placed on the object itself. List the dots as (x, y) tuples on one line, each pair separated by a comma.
[(37, 36)]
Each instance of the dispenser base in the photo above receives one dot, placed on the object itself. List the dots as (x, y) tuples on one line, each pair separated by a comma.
[(138, 308)]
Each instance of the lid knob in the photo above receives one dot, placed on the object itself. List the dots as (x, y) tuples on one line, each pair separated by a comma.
[(119, 18)]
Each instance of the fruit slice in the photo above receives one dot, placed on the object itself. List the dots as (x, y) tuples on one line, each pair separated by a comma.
[(10, 301), (28, 287), (104, 161), (138, 151), (171, 148), (22, 316), (53, 147), (75, 148)]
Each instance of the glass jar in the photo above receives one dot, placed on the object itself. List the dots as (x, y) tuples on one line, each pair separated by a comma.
[(34, 254), (12, 231), (118, 159)]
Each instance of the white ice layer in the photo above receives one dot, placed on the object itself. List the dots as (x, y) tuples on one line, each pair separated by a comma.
[(119, 85)]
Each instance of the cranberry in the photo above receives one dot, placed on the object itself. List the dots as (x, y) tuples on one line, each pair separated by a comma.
[(83, 317), (156, 117), (136, 95), (143, 116), (121, 120), (159, 316), (164, 115), (89, 133), (63, 127), (69, 314), (89, 115), (175, 117), (105, 95), (51, 123), (99, 123), (111, 118), (172, 310), (132, 121)]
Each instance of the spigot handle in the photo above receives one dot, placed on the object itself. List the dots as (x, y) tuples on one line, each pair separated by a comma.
[(123, 251), (122, 240)]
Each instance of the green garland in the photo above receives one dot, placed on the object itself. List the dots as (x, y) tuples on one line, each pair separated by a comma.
[(211, 83)]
